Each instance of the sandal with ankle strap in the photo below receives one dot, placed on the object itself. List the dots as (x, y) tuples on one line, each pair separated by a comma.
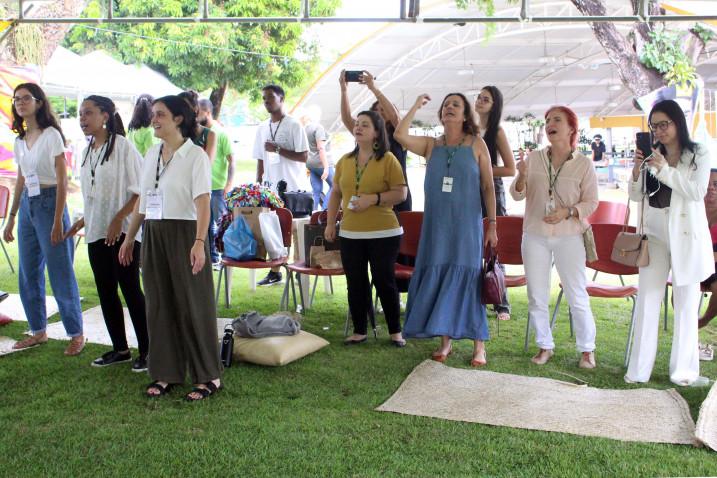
[(210, 389), (29, 342), (163, 389)]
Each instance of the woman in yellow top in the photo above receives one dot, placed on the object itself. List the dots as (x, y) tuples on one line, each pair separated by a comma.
[(368, 182)]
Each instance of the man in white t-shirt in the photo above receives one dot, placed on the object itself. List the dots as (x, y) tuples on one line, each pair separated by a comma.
[(281, 150)]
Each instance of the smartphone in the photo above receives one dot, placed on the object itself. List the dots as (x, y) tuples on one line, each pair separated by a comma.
[(353, 76), (644, 143)]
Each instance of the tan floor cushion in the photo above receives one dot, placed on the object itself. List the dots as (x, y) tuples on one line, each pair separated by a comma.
[(275, 351)]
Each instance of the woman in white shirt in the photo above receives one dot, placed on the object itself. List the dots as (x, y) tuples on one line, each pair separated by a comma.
[(40, 192), (672, 196), (110, 188), (560, 191), (175, 185)]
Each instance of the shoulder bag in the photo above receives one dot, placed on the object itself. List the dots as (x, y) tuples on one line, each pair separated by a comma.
[(630, 248)]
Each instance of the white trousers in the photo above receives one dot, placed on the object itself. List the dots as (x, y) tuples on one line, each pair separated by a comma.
[(569, 254), (684, 358)]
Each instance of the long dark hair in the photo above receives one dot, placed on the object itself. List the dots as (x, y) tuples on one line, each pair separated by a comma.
[(491, 132), (142, 114), (178, 106), (44, 116), (469, 122), (191, 97), (677, 116), (114, 125), (380, 146)]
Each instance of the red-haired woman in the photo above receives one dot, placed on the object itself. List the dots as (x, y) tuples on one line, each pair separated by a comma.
[(560, 189)]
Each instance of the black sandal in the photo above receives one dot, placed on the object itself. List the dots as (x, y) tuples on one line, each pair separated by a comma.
[(210, 389), (163, 390)]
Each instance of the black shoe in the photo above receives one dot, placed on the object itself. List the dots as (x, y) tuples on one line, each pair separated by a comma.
[(112, 358), (139, 365), (355, 341), (271, 278), (3, 295)]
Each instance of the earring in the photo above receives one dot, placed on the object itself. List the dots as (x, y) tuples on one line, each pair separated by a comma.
[(375, 146), (104, 125)]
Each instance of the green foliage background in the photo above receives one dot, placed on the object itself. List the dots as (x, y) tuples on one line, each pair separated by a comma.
[(205, 55)]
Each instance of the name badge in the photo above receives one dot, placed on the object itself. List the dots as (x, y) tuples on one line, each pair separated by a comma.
[(447, 184), (153, 210), (32, 181), (272, 158), (549, 206)]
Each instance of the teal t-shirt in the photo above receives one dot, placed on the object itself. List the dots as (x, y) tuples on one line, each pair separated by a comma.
[(220, 168), (142, 138)]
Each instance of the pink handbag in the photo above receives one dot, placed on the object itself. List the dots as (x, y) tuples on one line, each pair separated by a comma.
[(630, 248), (493, 283)]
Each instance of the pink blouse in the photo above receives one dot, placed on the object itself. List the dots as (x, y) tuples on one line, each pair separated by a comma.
[(575, 186)]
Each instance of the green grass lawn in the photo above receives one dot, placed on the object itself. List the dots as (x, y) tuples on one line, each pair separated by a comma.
[(314, 417)]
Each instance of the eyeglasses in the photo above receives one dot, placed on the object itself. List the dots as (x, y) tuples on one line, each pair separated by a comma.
[(484, 99), (662, 125), (23, 99)]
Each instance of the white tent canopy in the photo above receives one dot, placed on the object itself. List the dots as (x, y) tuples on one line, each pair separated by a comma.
[(534, 65), (69, 74)]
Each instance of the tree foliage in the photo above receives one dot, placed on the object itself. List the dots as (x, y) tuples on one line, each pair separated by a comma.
[(209, 55)]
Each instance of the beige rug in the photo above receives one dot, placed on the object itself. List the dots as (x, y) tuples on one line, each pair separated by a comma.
[(6, 344), (643, 415), (706, 430), (12, 307), (95, 330)]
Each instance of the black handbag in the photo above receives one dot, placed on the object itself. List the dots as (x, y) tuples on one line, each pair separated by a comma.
[(300, 203)]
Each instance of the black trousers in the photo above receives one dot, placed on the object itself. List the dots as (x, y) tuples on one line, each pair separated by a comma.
[(108, 274), (380, 254)]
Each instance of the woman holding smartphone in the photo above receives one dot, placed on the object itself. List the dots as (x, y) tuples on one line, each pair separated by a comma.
[(672, 182)]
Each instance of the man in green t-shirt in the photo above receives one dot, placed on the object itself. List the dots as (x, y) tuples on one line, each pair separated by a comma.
[(222, 171)]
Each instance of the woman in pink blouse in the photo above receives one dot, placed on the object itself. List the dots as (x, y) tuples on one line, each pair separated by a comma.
[(560, 189)]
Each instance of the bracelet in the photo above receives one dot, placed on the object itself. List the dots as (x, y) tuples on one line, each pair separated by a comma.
[(199, 239), (13, 214), (492, 220), (378, 199)]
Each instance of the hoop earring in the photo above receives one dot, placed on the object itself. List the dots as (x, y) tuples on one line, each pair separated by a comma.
[(375, 146)]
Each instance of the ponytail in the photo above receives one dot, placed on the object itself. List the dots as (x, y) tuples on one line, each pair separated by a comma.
[(114, 123)]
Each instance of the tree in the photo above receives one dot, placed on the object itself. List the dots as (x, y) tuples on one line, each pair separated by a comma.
[(35, 43), (648, 57), (209, 55)]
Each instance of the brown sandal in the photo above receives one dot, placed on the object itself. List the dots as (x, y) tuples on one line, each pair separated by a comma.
[(31, 341), (77, 344)]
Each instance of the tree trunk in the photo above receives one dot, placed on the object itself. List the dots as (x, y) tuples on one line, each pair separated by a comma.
[(636, 77), (51, 34), (217, 97)]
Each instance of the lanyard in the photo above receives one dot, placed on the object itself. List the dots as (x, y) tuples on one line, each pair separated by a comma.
[(159, 160), (360, 171), (553, 179), (273, 133), (452, 152), (100, 154)]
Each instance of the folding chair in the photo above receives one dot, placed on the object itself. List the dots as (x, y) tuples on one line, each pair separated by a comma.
[(285, 219)]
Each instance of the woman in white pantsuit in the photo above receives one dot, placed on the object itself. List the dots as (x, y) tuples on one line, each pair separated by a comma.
[(678, 240), (560, 189)]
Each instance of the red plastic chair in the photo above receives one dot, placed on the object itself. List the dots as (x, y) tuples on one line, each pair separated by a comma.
[(609, 212), (510, 238), (411, 222), (4, 204), (285, 219), (605, 235), (301, 267)]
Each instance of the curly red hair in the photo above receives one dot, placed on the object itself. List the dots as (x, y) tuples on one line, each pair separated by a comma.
[(572, 122)]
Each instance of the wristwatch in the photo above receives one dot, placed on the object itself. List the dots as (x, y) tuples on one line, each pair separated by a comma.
[(570, 212)]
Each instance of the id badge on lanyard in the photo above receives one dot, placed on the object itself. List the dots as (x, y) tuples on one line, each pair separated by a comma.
[(447, 184), (32, 182), (153, 209)]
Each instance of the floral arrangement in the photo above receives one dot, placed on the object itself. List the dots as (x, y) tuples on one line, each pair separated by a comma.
[(252, 195)]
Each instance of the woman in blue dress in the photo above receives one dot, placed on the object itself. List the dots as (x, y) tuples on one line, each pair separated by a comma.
[(444, 297)]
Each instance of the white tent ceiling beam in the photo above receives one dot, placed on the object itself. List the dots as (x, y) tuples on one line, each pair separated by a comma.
[(408, 10)]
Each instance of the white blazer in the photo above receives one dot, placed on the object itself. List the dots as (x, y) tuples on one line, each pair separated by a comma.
[(689, 236)]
